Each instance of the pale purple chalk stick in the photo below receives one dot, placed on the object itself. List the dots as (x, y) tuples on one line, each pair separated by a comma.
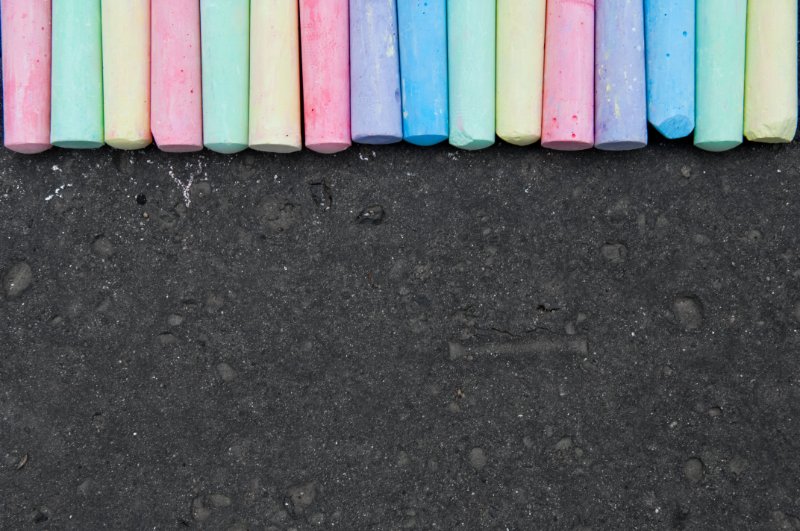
[(620, 91), (375, 113)]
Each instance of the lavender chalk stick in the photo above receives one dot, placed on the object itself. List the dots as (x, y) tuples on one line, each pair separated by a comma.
[(374, 72), (620, 92)]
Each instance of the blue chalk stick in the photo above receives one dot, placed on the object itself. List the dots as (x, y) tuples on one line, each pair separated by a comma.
[(620, 92), (422, 26), (669, 39)]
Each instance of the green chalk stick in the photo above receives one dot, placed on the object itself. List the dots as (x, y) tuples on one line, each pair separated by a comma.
[(471, 49), (76, 119), (720, 54), (225, 36)]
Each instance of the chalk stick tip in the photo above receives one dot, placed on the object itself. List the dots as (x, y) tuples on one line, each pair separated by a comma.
[(77, 144), (717, 146), (377, 140), (567, 145), (226, 148), (425, 140), (169, 147), (28, 148), (519, 139), (780, 132), (674, 127), (328, 148), (128, 143), (620, 145), (273, 147)]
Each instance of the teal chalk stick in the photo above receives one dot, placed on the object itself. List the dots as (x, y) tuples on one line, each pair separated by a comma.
[(225, 37), (76, 95), (720, 56), (471, 68)]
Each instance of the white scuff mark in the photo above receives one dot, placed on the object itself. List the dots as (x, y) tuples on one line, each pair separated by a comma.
[(55, 167), (57, 191), (186, 187), (362, 157)]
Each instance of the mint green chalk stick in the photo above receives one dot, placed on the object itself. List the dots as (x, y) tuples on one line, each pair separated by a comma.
[(225, 35), (720, 55), (76, 119), (471, 58)]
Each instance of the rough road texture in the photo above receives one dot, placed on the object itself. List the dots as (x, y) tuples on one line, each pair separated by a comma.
[(401, 338)]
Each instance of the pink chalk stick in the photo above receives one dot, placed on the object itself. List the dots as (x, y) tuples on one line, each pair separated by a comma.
[(568, 100), (325, 47), (26, 75), (176, 110)]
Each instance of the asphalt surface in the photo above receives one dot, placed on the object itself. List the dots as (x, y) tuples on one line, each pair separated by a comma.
[(401, 338)]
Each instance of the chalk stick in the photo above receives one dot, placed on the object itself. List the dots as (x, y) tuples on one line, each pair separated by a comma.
[(26, 75), (275, 123), (126, 73), (76, 115), (770, 93), (568, 93), (669, 47), (719, 83), (176, 109), (620, 120), (374, 73), (471, 35), (225, 30), (325, 52), (422, 27), (520, 67)]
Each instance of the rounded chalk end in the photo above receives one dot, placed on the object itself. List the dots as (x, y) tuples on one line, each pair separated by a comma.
[(519, 139), (179, 148), (28, 148), (78, 144), (620, 145), (226, 148), (425, 140), (378, 140), (567, 145), (717, 145), (328, 148), (675, 127), (129, 143), (474, 144), (269, 147)]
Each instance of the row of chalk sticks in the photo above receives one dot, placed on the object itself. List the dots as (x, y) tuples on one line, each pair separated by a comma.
[(274, 75)]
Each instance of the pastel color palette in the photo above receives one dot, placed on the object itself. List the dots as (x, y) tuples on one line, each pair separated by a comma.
[(176, 84), (520, 68), (568, 93), (76, 119), (374, 72), (669, 48), (126, 73), (770, 91), (620, 121), (225, 30), (275, 123), (471, 35), (423, 70), (26, 75), (325, 48), (720, 56)]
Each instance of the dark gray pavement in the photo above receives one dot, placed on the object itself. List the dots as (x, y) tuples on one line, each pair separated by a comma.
[(401, 338)]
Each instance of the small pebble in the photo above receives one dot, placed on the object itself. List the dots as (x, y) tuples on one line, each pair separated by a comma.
[(103, 247), (477, 458), (174, 320), (372, 215), (688, 311), (226, 372), (300, 497), (715, 412), (18, 278), (694, 470)]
